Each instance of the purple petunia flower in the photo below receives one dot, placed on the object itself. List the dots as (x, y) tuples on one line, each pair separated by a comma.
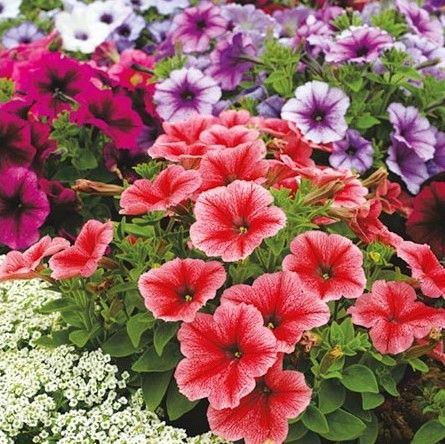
[(228, 60), (403, 161), (412, 129), (23, 208), (271, 107), (314, 34), (26, 32), (126, 33), (196, 27), (353, 152), (420, 22), (359, 44), (318, 111), (185, 93), (159, 29), (290, 19), (437, 163)]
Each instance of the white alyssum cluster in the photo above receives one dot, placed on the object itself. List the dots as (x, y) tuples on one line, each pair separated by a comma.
[(62, 395)]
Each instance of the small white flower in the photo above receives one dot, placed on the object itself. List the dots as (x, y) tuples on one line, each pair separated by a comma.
[(9, 8)]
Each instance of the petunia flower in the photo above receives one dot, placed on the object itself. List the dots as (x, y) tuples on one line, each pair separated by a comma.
[(262, 416), (111, 13), (171, 186), (17, 265), (394, 316), (82, 258), (244, 162), (126, 33), (219, 136), (23, 34), (353, 152), (358, 44), (271, 107), (412, 129), (286, 309), (328, 265), (186, 93), (318, 111), (232, 221), (179, 288), (9, 8), (437, 163), (224, 353), (196, 27), (112, 114), (424, 267), (167, 7)]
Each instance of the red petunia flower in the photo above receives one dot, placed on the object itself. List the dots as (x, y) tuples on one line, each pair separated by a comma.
[(262, 416), (424, 267), (172, 186), (224, 353), (219, 136), (286, 309), (179, 288), (82, 259), (232, 221), (394, 316), (329, 265), (17, 265), (244, 162)]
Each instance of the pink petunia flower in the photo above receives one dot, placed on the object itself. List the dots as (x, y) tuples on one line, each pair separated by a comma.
[(172, 186), (224, 353), (329, 265), (232, 221), (244, 162), (219, 136), (17, 265), (424, 267), (179, 288), (285, 308), (262, 416), (394, 316), (232, 118), (82, 259)]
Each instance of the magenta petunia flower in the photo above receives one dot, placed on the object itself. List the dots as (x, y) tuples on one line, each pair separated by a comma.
[(186, 93), (318, 111), (358, 44), (23, 207), (113, 114), (196, 26), (228, 60)]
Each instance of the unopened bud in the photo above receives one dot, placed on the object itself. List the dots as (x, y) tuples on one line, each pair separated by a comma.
[(97, 188)]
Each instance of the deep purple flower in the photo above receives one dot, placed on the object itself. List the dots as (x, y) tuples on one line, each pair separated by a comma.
[(353, 152), (228, 60), (358, 44), (412, 129), (23, 208), (271, 107), (420, 21), (26, 32), (196, 26), (403, 161), (434, 5), (437, 163), (42, 143), (185, 93), (318, 111), (15, 141)]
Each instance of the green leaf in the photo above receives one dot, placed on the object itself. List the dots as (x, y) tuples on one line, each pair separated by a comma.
[(137, 325), (79, 337), (307, 438), (366, 121), (430, 433), (164, 331), (177, 403), (150, 361), (371, 433), (154, 387), (314, 420), (343, 426), (372, 400), (359, 378), (331, 396), (418, 364), (55, 339), (86, 160), (296, 431), (119, 345)]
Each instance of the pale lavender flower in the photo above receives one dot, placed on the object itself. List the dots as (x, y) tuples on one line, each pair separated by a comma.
[(271, 107), (185, 93), (437, 163), (159, 30), (128, 31), (315, 34), (318, 111), (9, 8), (166, 7), (290, 19), (112, 13), (26, 32)]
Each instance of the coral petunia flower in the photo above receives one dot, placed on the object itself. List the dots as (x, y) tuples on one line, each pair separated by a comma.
[(286, 309), (244, 162), (179, 288), (232, 221), (172, 186), (224, 353), (17, 265), (219, 136), (82, 259), (329, 265), (424, 267), (262, 416), (394, 316)]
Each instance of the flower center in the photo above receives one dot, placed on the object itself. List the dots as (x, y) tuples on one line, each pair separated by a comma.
[(25, 40), (1, 8), (124, 31), (272, 322), (187, 95), (106, 18), (325, 271), (362, 51), (243, 229), (318, 115), (351, 150), (201, 24), (235, 352), (186, 293)]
